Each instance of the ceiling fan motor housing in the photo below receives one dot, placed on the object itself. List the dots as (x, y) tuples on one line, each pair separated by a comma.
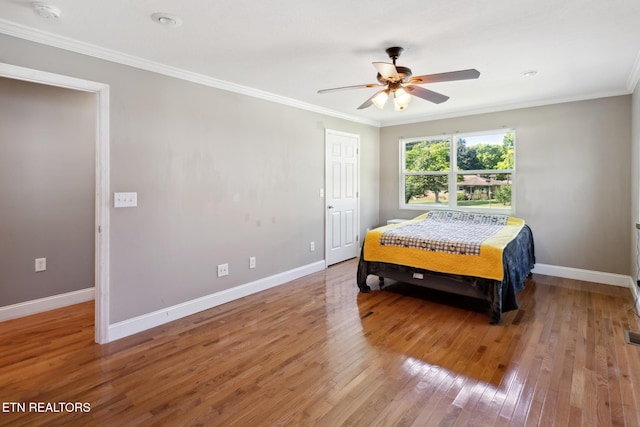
[(394, 52), (403, 72)]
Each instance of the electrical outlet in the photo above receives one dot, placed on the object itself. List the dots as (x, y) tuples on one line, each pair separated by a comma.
[(223, 270), (312, 246), (252, 262), (41, 264)]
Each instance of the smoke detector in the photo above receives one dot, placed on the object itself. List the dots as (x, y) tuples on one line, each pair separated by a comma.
[(46, 10)]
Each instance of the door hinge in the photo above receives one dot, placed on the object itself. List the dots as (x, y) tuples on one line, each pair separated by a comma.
[(99, 229), (357, 238)]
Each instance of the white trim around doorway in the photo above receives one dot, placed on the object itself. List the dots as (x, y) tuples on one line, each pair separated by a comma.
[(101, 175)]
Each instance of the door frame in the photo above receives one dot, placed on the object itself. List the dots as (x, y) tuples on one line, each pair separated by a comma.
[(328, 132), (101, 230)]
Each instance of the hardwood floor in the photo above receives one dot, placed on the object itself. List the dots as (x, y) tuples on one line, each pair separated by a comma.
[(317, 352)]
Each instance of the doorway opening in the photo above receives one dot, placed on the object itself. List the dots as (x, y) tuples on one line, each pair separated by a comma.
[(101, 199)]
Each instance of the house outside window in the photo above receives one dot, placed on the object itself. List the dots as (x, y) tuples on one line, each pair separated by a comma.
[(472, 171)]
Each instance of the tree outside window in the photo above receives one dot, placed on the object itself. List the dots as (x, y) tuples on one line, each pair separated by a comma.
[(477, 169)]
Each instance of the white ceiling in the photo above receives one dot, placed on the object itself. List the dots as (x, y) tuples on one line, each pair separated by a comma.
[(288, 49)]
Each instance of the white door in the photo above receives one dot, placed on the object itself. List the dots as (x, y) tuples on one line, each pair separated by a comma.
[(342, 187)]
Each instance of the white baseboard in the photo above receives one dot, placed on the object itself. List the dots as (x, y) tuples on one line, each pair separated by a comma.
[(584, 275), (45, 304), (169, 314), (160, 317)]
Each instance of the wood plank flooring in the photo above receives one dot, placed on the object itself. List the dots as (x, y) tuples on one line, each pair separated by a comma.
[(317, 352)]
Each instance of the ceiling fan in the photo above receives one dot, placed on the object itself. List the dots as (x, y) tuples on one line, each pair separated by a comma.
[(400, 82)]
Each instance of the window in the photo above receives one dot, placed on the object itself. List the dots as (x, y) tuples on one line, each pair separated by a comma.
[(478, 169)]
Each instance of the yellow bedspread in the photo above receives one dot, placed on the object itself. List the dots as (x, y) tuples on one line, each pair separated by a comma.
[(488, 264)]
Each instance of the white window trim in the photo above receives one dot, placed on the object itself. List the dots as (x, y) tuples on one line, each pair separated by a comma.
[(453, 172)]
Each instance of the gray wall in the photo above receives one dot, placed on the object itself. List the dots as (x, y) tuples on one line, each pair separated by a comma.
[(47, 146), (573, 177), (220, 177)]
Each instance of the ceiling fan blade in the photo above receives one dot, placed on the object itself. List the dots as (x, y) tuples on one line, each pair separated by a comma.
[(369, 102), (429, 95), (387, 70), (446, 77), (335, 89)]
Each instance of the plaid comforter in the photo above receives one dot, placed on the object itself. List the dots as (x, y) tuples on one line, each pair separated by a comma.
[(452, 242)]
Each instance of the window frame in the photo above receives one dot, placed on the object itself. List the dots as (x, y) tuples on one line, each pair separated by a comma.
[(453, 172)]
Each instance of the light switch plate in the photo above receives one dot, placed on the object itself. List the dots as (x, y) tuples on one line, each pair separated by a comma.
[(125, 200)]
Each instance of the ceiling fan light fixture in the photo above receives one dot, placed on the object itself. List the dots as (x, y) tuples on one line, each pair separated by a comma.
[(399, 106), (401, 99), (403, 84), (380, 99)]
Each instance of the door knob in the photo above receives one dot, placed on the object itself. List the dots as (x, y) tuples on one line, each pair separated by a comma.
[(330, 207)]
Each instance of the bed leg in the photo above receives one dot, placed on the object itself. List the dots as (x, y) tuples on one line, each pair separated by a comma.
[(365, 289), (494, 317), (495, 304), (361, 277)]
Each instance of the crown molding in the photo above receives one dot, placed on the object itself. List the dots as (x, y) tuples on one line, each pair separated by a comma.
[(499, 108), (634, 75), (73, 45)]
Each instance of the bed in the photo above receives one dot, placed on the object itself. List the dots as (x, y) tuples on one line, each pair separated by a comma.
[(482, 256)]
